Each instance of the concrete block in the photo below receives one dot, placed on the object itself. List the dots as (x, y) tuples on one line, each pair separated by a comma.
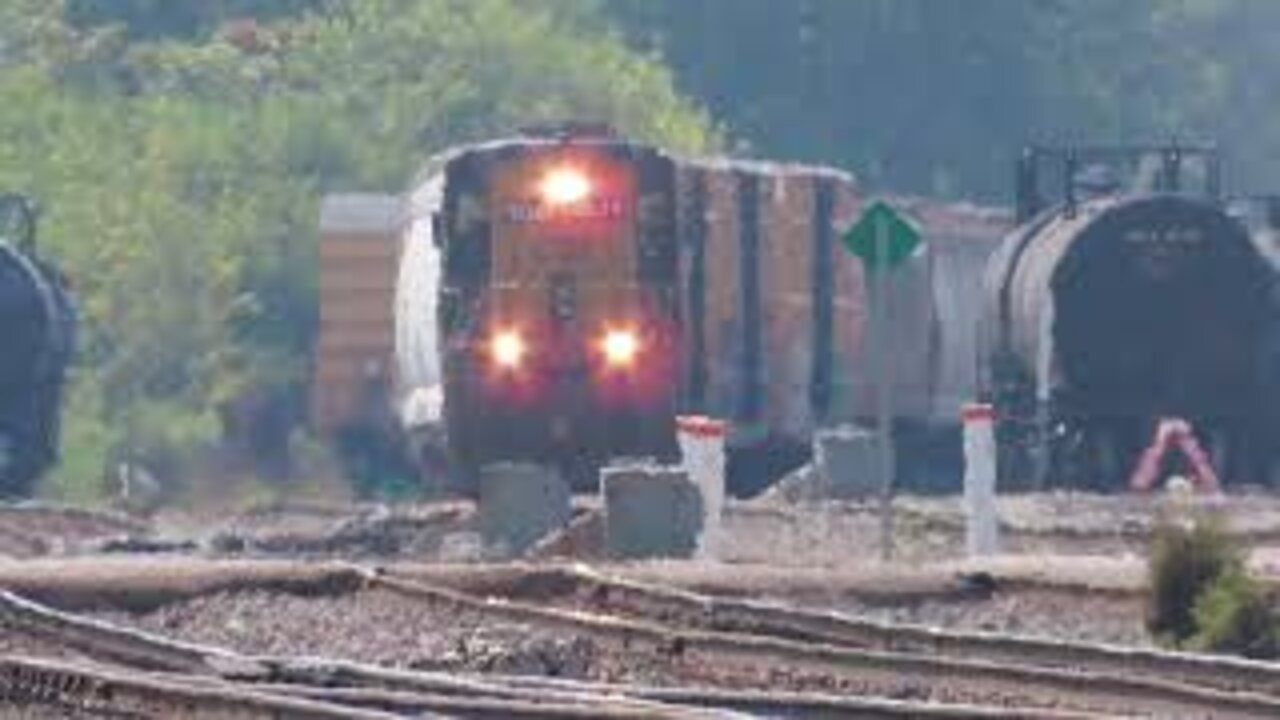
[(845, 462), (520, 504), (651, 511)]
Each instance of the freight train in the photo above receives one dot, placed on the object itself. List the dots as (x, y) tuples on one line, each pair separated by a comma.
[(1130, 297), (561, 295), (38, 324)]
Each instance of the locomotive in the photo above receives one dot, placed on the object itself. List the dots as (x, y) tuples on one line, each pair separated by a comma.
[(38, 324), (1132, 297), (562, 295), (556, 318)]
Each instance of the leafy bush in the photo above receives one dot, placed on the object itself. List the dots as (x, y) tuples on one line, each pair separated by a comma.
[(1184, 563), (1235, 615), (1202, 597)]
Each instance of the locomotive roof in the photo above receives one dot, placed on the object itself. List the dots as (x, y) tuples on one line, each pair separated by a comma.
[(766, 167), (727, 164)]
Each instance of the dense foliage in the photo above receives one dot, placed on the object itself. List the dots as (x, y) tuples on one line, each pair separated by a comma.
[(181, 146), (181, 167), (937, 95)]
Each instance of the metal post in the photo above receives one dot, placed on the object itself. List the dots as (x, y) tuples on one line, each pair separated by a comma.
[(879, 279)]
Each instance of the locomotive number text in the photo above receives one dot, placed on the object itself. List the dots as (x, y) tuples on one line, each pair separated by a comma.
[(533, 212)]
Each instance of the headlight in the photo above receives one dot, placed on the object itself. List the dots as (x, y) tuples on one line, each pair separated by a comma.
[(565, 186), (507, 349), (620, 347)]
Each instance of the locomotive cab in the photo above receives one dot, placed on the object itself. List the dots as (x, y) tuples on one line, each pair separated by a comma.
[(557, 306)]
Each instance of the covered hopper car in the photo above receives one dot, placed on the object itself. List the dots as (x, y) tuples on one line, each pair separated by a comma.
[(1131, 298)]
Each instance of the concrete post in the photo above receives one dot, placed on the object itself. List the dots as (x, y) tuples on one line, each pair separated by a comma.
[(982, 518), (702, 450)]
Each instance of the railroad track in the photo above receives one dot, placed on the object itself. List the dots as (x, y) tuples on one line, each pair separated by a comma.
[(35, 529), (40, 687), (165, 678), (734, 657), (725, 657), (582, 588)]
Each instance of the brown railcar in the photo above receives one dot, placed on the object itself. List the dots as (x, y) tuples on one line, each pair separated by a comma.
[(358, 255)]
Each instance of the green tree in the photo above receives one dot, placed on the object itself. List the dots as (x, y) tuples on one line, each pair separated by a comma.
[(937, 96), (181, 172)]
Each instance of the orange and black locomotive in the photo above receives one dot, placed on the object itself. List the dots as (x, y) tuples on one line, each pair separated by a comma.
[(557, 307)]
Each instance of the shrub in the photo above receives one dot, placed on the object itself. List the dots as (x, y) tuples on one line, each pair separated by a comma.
[(1184, 563), (1235, 615)]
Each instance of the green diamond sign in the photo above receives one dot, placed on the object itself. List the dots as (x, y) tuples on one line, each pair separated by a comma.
[(901, 238)]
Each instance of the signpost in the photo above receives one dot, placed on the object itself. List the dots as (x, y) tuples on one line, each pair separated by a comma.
[(883, 240)]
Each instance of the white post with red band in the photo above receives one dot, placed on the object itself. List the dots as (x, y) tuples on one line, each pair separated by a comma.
[(702, 448), (981, 516)]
